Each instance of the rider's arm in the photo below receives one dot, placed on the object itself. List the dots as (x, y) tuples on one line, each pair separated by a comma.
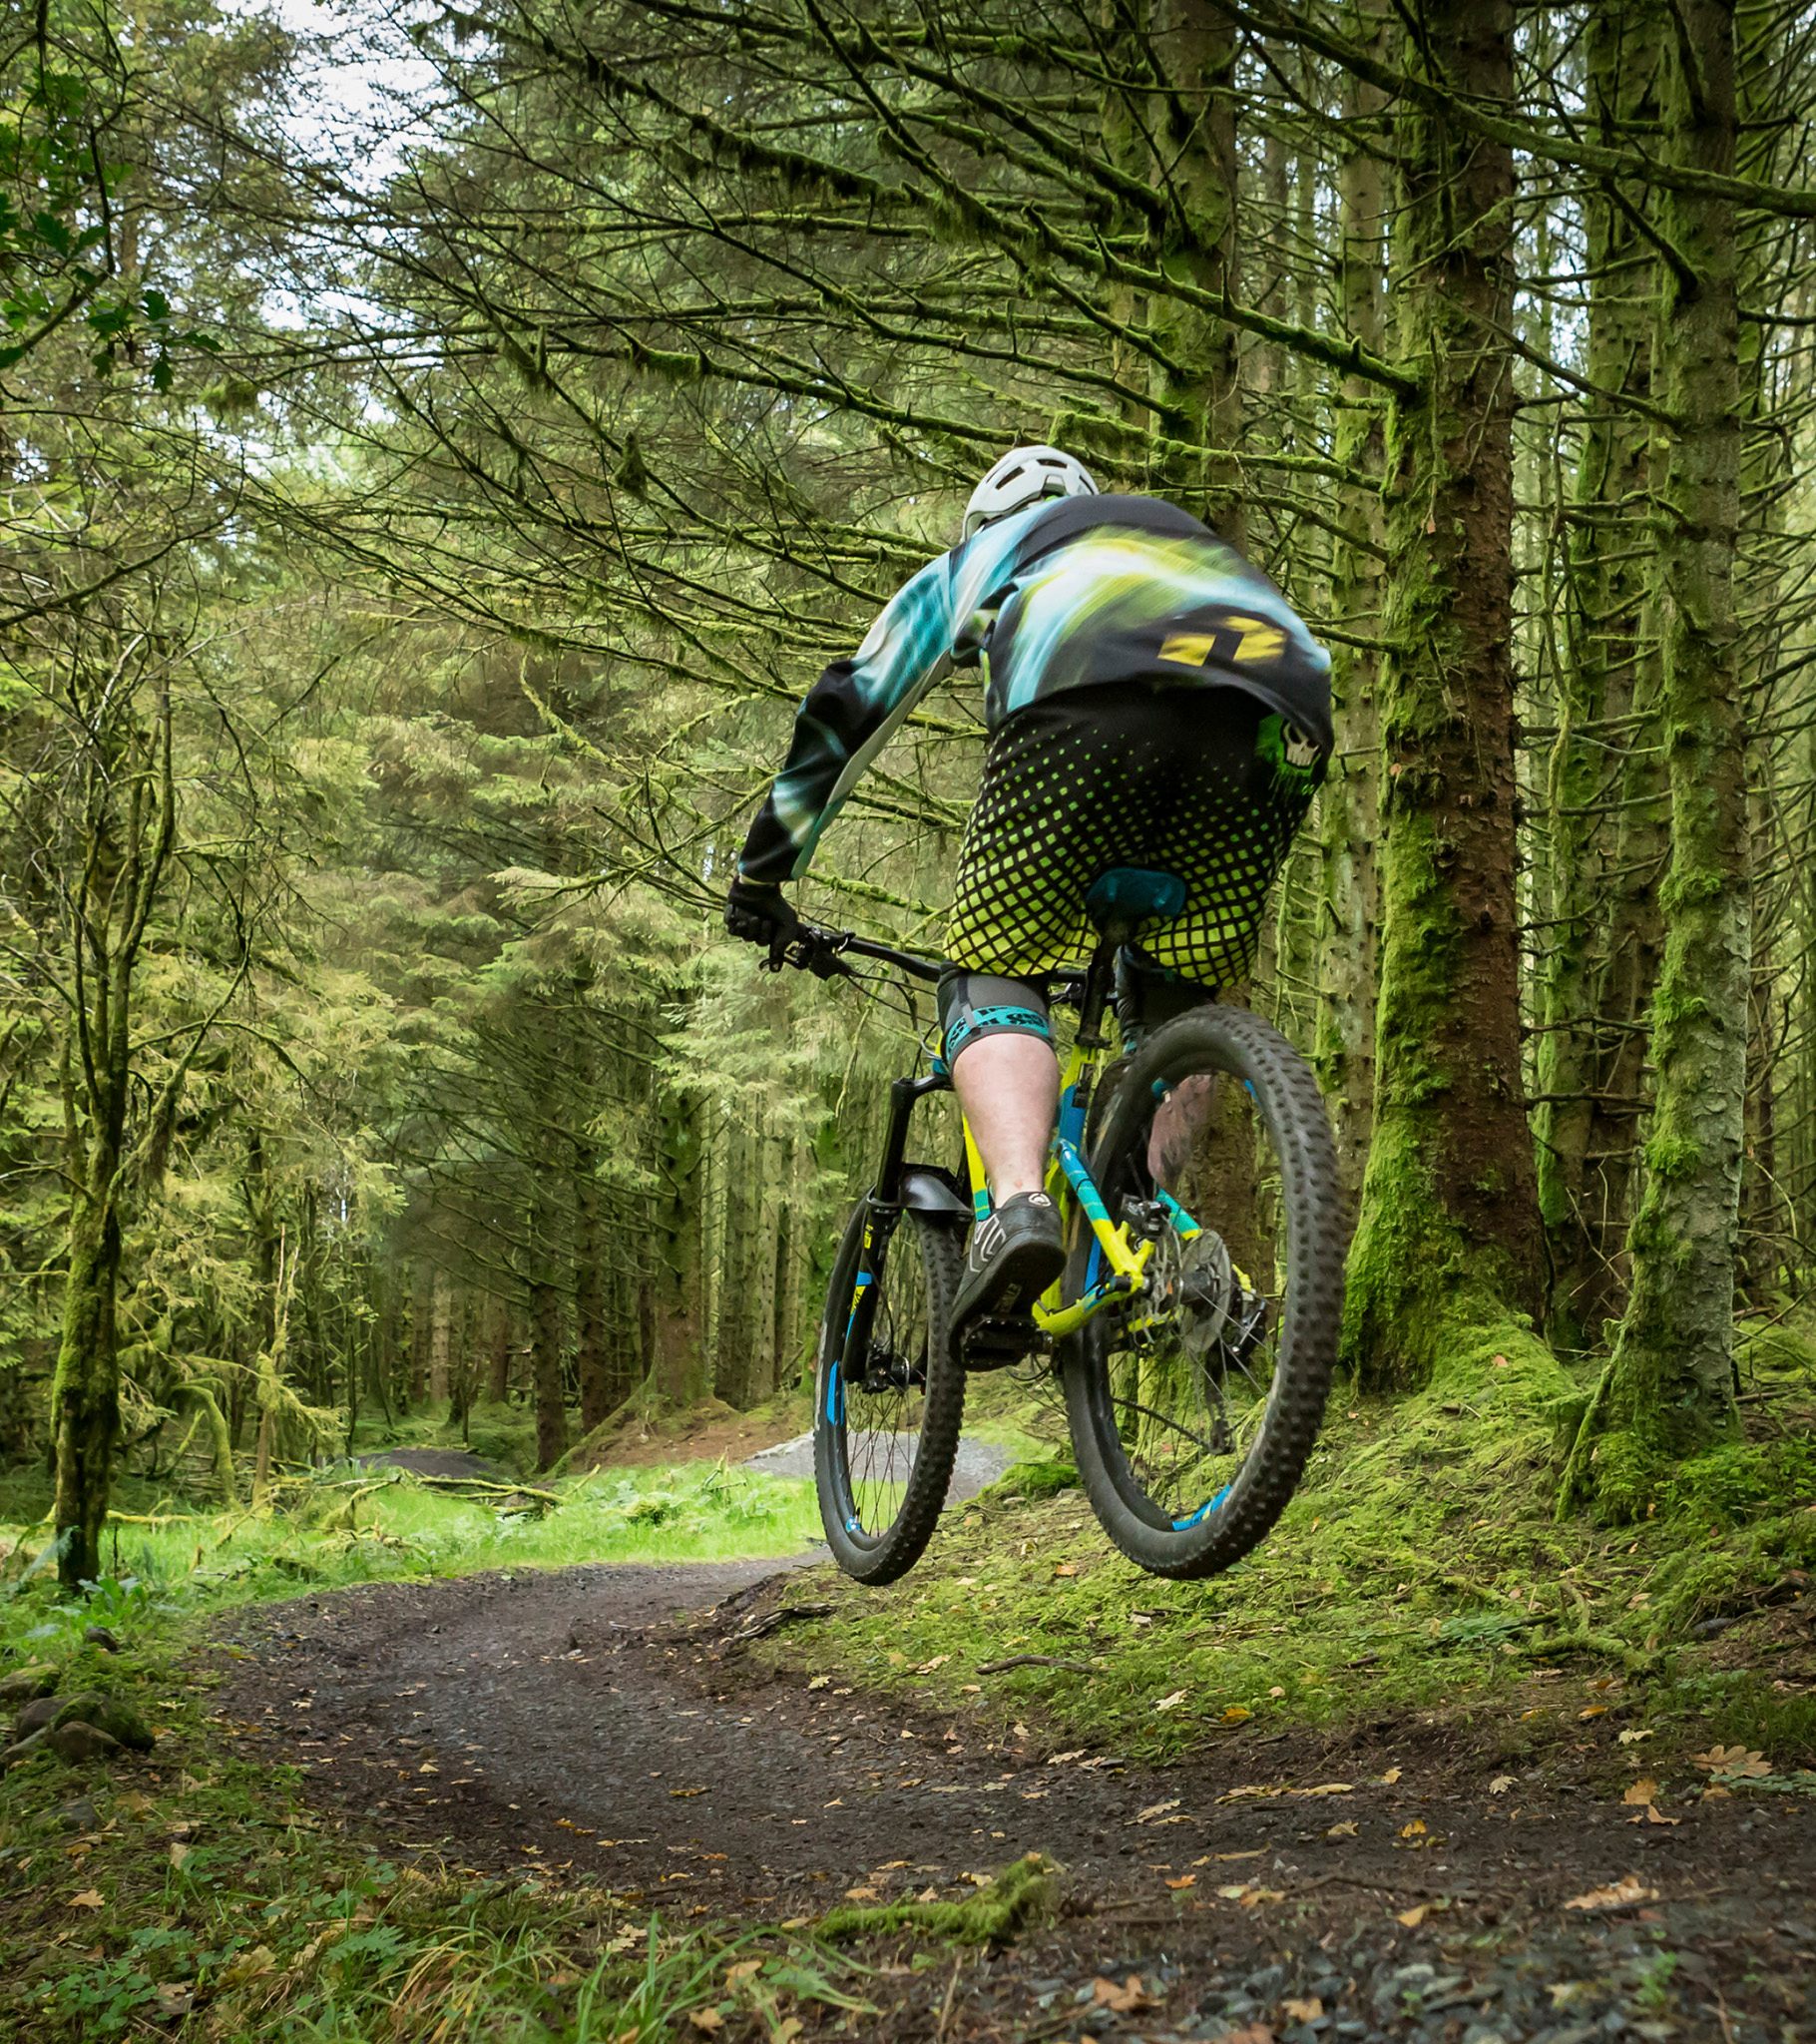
[(849, 715)]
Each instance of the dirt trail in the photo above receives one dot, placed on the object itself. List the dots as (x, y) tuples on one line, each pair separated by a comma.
[(563, 1720)]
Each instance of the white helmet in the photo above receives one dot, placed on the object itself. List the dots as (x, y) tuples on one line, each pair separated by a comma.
[(1023, 478)]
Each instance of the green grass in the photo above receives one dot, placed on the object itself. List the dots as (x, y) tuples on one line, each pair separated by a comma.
[(206, 1886), (347, 1527), (1419, 1568), (207, 1889)]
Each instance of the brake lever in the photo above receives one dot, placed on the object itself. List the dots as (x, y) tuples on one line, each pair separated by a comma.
[(809, 950)]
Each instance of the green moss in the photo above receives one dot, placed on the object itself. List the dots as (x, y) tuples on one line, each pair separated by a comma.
[(1021, 1896), (1046, 1477)]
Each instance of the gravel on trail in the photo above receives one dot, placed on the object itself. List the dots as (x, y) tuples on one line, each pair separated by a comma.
[(566, 1722)]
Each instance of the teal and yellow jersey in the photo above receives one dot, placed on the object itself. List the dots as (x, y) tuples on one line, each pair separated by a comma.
[(1070, 594)]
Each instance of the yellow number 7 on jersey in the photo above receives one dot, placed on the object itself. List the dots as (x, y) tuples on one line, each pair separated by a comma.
[(1259, 641)]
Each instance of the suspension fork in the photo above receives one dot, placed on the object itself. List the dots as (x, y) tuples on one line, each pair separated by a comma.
[(882, 1213)]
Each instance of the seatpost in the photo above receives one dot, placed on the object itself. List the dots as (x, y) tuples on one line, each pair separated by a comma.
[(1100, 978)]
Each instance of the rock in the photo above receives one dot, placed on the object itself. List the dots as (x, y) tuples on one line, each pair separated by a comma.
[(79, 1743), (118, 1720), (36, 1715), (25, 1684), (98, 1636), (79, 1815), (23, 1749)]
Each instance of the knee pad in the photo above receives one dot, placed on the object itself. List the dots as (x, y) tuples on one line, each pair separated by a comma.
[(978, 1004)]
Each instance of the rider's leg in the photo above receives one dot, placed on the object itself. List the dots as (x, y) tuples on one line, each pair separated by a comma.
[(1009, 1086)]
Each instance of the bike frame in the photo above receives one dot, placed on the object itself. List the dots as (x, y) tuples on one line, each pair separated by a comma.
[(900, 1185)]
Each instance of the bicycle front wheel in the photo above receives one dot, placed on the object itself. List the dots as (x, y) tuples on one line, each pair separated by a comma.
[(1194, 1406), (886, 1423)]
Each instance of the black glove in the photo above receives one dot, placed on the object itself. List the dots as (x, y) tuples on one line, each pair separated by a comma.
[(757, 911)]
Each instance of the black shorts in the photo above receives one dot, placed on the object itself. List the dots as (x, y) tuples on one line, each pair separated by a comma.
[(1204, 782)]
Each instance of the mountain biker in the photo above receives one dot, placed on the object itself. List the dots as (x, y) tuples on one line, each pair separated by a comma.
[(1152, 702)]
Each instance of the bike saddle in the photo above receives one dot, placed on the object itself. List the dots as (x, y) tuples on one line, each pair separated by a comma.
[(1126, 895)]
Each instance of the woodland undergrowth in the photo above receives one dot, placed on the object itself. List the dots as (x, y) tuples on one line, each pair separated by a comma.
[(1421, 1567)]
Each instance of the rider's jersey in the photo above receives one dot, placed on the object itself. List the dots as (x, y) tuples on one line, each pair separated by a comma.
[(1080, 592)]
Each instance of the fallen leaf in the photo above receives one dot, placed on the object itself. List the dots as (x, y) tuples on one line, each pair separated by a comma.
[(1501, 1785), (179, 1851), (937, 1661), (1276, 1691), (1653, 1814), (1169, 1703), (1732, 1759), (745, 1970), (1413, 1916), (1122, 2000), (683, 1792), (1067, 1568), (1415, 1830), (1237, 1714), (819, 1682), (1641, 1792), (1326, 1788), (1306, 2010), (1183, 1880), (90, 1898), (1059, 1760), (1621, 1895), (244, 1967), (1594, 1711), (863, 1895), (428, 1768), (1342, 1830), (1634, 1737), (1390, 1777), (172, 2000), (1154, 1809), (707, 2019)]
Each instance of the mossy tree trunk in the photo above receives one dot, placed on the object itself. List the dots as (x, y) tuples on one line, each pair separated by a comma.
[(1349, 804), (1670, 1386), (1597, 972), (591, 1337), (123, 821), (1199, 391), (1447, 1235)]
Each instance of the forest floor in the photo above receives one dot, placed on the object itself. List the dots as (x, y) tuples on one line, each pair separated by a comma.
[(1383, 1881), (1429, 1765)]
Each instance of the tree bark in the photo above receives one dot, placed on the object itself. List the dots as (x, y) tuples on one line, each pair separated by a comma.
[(1448, 1236), (1349, 803), (1669, 1386), (1598, 976)]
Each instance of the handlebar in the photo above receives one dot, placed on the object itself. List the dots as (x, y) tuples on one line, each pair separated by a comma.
[(823, 953)]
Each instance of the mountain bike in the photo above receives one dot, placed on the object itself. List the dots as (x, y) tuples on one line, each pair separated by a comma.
[(1195, 1325)]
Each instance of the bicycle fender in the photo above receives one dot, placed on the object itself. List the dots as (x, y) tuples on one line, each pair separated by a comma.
[(928, 1190)]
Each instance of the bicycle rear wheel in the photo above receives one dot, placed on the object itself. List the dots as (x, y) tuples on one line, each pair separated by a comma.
[(1194, 1407), (885, 1431)]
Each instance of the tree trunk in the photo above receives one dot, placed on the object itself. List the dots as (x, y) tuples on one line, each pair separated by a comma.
[(1597, 975), (680, 1312), (591, 1337), (1349, 803), (1669, 1386), (1447, 1239), (1199, 394), (545, 1374), (85, 1392)]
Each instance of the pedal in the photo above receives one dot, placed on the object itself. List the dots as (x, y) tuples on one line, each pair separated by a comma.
[(994, 1344)]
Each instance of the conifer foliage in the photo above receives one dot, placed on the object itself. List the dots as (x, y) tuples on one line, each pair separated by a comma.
[(438, 457)]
